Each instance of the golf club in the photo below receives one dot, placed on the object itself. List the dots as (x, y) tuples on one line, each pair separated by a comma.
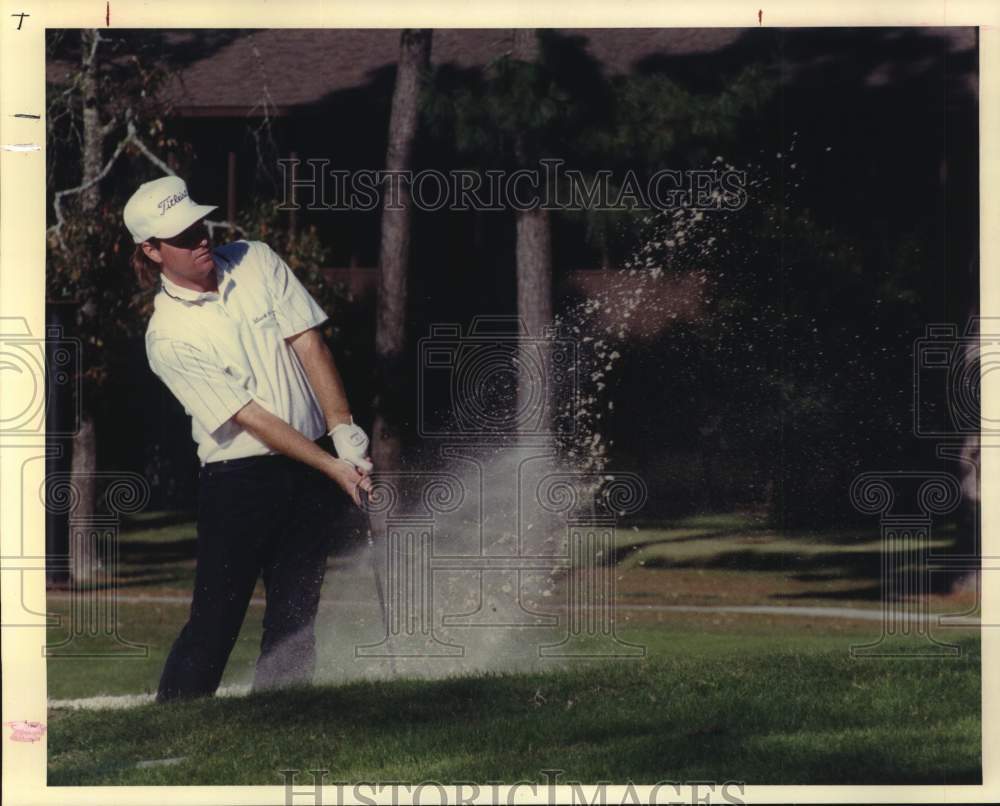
[(370, 539)]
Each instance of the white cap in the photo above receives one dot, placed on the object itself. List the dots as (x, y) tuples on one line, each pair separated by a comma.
[(162, 209)]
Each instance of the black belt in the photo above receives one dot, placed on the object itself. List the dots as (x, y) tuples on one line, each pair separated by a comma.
[(325, 442)]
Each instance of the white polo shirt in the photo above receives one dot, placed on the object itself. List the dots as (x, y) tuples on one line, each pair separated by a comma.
[(218, 351)]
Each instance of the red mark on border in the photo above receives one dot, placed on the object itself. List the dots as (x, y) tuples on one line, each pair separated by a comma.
[(760, 16), (26, 731), (107, 14)]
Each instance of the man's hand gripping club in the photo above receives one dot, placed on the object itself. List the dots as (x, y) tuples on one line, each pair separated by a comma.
[(281, 437), (351, 443)]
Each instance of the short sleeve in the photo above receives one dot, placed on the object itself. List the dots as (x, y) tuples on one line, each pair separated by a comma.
[(205, 390), (294, 307)]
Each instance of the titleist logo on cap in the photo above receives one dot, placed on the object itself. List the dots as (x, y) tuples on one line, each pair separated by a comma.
[(162, 208), (171, 200)]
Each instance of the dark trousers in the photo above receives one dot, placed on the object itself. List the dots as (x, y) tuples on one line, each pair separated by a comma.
[(269, 515)]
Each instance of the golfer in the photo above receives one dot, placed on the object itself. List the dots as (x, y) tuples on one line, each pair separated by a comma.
[(234, 337)]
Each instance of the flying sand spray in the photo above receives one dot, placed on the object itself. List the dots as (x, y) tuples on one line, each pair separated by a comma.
[(488, 583)]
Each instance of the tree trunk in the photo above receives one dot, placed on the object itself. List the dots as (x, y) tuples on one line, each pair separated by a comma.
[(534, 270), (60, 419), (82, 549), (533, 253), (390, 324), (534, 307), (84, 462), (526, 47), (93, 137)]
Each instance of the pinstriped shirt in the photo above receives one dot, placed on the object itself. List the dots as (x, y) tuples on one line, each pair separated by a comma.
[(217, 351)]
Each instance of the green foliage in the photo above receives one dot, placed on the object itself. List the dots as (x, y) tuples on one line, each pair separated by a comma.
[(655, 121), (93, 273), (512, 114), (485, 115), (802, 350), (89, 253)]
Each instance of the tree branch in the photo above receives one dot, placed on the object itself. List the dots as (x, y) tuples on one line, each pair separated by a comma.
[(131, 136), (227, 225), (107, 127), (56, 229), (266, 103), (93, 48)]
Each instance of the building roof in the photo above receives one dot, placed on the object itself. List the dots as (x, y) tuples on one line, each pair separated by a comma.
[(232, 72), (288, 68)]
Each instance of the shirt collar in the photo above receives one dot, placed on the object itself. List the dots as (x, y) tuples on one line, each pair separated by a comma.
[(222, 277)]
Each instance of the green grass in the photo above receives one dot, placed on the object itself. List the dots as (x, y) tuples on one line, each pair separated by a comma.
[(155, 625), (152, 625), (761, 709), (660, 550), (765, 699)]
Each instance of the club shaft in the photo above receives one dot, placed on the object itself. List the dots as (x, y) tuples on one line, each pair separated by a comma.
[(376, 572)]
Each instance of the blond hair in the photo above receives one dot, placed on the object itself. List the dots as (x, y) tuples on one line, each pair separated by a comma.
[(147, 270)]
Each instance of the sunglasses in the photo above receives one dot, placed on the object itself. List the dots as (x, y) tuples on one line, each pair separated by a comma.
[(190, 238)]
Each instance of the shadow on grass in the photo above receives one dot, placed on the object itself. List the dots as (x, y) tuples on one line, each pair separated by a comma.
[(787, 717), (158, 519), (864, 566), (855, 565), (867, 593), (704, 754), (142, 553), (628, 543)]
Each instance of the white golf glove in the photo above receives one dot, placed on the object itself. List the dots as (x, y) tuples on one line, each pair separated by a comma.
[(351, 444)]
